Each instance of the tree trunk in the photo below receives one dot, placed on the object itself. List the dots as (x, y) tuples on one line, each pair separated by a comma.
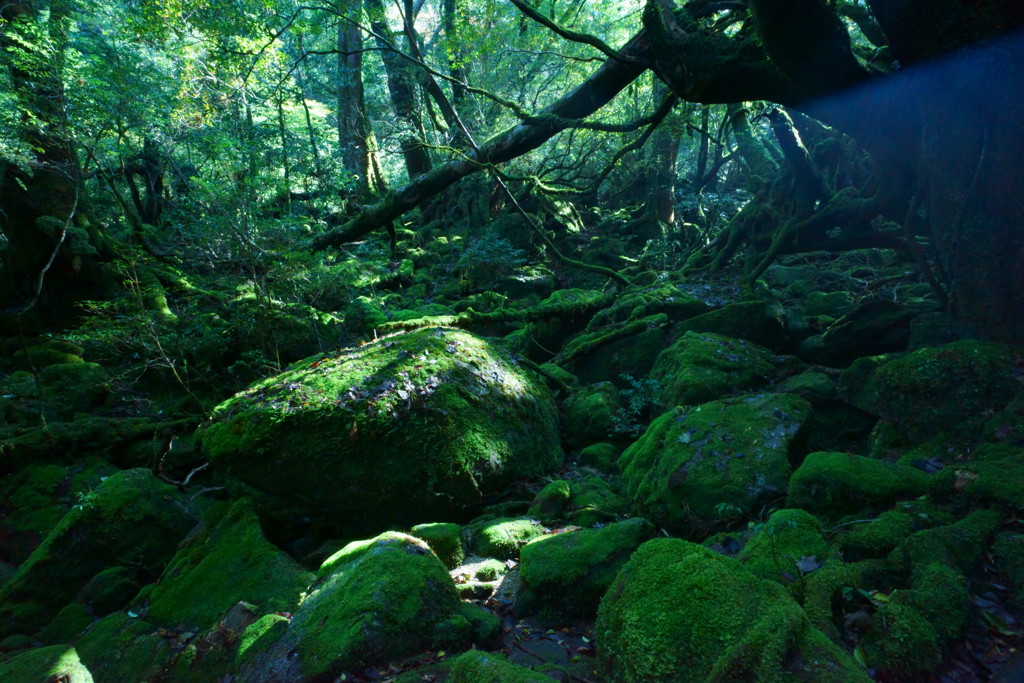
[(402, 90), (353, 128), (49, 260)]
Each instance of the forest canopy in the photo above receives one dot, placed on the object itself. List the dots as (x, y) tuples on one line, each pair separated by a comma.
[(143, 121)]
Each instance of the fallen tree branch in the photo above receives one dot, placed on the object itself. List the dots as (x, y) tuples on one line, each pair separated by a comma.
[(610, 79)]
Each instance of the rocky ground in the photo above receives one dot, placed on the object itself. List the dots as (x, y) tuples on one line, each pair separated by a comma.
[(678, 481)]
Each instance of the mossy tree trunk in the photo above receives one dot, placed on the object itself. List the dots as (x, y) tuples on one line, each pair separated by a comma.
[(51, 257)]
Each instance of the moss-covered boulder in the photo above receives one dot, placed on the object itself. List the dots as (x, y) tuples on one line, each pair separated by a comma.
[(950, 388), (759, 321), (875, 538), (957, 545), (786, 547), (414, 425), (601, 456), (837, 484), (476, 666), (54, 663), (376, 601), (680, 612), (565, 575), (223, 561), (589, 414), (445, 539), (703, 367), (596, 500), (734, 452), (994, 478), (502, 537), (550, 501), (131, 518), (35, 499)]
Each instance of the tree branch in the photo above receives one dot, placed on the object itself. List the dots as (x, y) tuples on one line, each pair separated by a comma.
[(610, 79)]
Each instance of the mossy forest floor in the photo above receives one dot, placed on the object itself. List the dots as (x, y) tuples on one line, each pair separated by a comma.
[(457, 461)]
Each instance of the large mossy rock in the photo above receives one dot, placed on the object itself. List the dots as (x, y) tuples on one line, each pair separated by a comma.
[(376, 601), (680, 612), (704, 367), (838, 484), (131, 518), (691, 462), (944, 389), (223, 561), (409, 427), (565, 575)]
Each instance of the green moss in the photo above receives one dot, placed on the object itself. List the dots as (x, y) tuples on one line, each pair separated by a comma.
[(835, 304), (132, 517), (812, 386), (36, 498), (939, 593), (75, 387), (958, 383), (877, 537), (486, 625), (601, 456), (491, 570), (588, 415), (54, 663), (260, 634), (639, 302), (43, 356), (596, 500), (67, 624), (760, 322), (110, 590), (1009, 555), (703, 367), (445, 539), (409, 427), (502, 537), (363, 315), (379, 602), (225, 560), (902, 642), (837, 484), (680, 612), (734, 452), (565, 575), (956, 545), (999, 482), (476, 666), (561, 375), (787, 539), (550, 501), (120, 648), (613, 356)]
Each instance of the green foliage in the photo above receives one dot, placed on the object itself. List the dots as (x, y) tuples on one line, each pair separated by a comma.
[(639, 402), (487, 259)]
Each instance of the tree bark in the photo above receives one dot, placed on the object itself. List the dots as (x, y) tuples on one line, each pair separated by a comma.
[(402, 91), (353, 131)]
